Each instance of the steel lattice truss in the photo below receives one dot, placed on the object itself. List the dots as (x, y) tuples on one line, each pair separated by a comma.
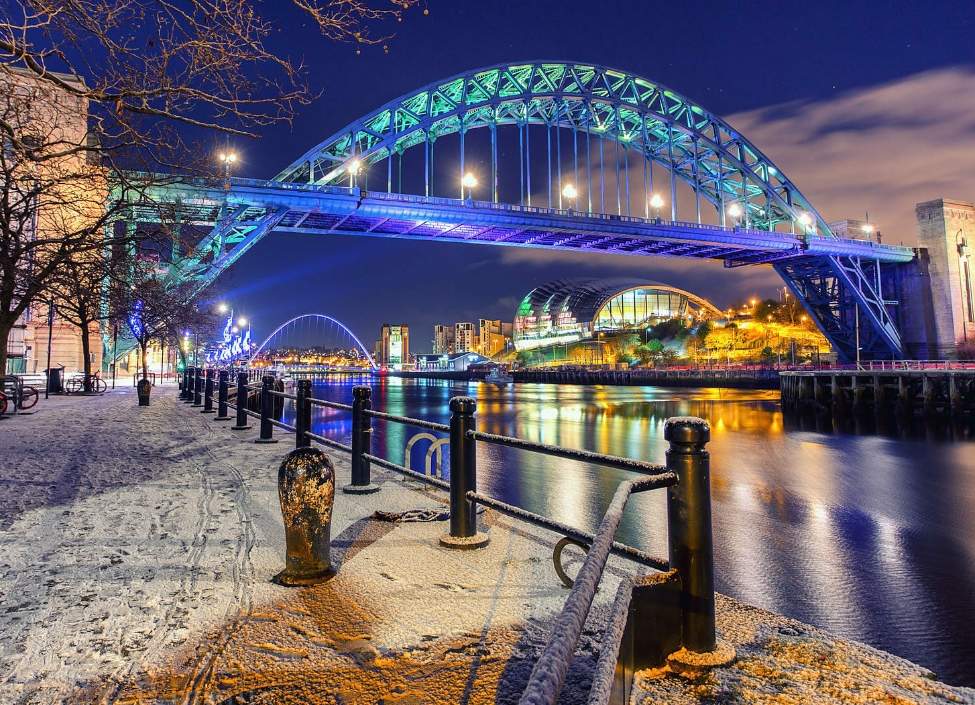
[(696, 146), (841, 282)]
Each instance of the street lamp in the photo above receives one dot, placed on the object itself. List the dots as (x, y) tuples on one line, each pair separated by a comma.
[(656, 203), (867, 230), (355, 166), (805, 220), (735, 211), (228, 159), (469, 182), (570, 193)]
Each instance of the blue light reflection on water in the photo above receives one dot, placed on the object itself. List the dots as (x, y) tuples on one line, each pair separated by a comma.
[(872, 538)]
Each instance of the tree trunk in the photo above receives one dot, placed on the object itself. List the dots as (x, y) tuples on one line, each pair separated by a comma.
[(86, 355), (143, 346), (4, 335)]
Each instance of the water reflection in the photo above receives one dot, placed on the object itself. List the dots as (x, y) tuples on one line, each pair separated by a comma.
[(872, 537)]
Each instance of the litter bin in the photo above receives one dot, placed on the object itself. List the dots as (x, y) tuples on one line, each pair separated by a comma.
[(55, 380)]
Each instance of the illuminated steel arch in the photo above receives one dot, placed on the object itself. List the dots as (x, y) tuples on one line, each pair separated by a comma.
[(316, 316), (693, 144)]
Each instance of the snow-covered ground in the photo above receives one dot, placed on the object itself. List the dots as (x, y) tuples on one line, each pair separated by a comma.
[(137, 547)]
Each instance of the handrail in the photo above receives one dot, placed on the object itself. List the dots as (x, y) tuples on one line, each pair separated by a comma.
[(612, 461), (685, 476), (549, 672)]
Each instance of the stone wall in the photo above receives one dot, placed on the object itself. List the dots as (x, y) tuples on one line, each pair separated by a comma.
[(946, 230)]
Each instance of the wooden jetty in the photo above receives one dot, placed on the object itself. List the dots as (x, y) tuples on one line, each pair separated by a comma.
[(926, 391)]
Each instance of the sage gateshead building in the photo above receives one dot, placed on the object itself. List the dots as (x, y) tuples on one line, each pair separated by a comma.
[(571, 310)]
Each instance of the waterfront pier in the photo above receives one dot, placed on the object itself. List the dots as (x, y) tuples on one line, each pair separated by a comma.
[(906, 392)]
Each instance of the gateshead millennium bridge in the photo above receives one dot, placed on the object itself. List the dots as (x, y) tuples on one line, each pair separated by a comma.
[(580, 158)]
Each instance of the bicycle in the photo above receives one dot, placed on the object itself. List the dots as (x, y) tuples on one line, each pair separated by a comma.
[(76, 385)]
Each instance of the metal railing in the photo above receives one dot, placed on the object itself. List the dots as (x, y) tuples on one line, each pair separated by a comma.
[(686, 477)]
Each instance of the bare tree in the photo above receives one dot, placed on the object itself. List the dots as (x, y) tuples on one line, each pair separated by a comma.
[(91, 92), (158, 313)]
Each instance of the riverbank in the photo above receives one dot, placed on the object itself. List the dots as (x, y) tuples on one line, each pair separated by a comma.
[(138, 546), (716, 378)]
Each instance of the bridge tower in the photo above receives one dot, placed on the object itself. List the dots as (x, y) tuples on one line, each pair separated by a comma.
[(939, 311)]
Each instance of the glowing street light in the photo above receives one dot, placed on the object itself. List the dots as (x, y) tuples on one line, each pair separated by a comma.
[(805, 220), (735, 211), (469, 182), (222, 308), (355, 167), (570, 193), (656, 202), (228, 158)]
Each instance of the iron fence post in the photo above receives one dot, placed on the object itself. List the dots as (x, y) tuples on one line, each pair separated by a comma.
[(241, 404), (463, 477), (267, 401), (208, 392), (361, 442), (302, 413), (222, 394), (689, 528), (198, 388)]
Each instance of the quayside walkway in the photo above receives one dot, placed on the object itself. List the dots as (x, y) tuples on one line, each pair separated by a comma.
[(137, 547)]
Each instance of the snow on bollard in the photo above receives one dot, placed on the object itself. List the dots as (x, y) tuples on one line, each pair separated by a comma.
[(306, 488)]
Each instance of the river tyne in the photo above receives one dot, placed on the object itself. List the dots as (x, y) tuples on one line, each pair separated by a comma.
[(871, 537)]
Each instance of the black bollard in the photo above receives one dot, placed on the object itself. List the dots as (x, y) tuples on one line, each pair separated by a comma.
[(208, 393), (241, 403), (222, 394), (188, 385), (302, 413), (182, 386), (463, 478), (306, 488), (267, 401), (198, 388), (143, 387), (361, 442), (689, 528)]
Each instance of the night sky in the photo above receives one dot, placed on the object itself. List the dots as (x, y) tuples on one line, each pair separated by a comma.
[(865, 106)]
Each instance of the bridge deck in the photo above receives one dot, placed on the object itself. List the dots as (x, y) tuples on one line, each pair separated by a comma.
[(348, 211)]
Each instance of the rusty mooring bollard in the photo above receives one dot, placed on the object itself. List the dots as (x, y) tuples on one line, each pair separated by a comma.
[(306, 488)]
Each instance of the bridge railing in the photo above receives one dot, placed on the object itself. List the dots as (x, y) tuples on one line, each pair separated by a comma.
[(682, 599)]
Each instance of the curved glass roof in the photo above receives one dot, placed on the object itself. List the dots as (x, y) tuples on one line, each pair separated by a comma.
[(582, 296), (568, 310)]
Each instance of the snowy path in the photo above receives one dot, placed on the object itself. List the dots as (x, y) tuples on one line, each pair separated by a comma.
[(137, 547)]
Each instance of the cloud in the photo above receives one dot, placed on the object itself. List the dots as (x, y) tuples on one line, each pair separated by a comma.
[(881, 149)]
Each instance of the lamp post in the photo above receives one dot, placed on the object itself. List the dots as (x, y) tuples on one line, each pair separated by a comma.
[(805, 220), (228, 159), (469, 182), (570, 193), (656, 202), (735, 211), (355, 166)]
